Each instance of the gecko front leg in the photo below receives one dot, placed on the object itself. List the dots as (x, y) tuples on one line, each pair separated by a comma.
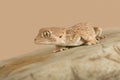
[(59, 48)]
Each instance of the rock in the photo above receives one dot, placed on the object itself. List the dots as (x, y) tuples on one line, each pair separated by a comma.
[(96, 62)]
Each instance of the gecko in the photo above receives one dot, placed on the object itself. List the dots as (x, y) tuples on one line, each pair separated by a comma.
[(66, 37)]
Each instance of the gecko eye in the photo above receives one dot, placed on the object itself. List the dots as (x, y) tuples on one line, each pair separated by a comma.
[(46, 34)]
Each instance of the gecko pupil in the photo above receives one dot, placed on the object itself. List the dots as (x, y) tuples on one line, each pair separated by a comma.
[(46, 34)]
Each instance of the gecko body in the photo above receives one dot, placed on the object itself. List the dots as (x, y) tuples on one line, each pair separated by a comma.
[(82, 33)]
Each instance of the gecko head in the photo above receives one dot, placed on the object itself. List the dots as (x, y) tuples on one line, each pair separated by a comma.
[(52, 36)]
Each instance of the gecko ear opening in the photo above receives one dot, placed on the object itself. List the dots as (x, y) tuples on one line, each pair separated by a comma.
[(60, 36), (46, 34)]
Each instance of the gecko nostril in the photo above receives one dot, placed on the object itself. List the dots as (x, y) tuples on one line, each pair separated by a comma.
[(35, 39)]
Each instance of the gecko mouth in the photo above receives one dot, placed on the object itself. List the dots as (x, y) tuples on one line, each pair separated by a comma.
[(44, 43), (48, 43)]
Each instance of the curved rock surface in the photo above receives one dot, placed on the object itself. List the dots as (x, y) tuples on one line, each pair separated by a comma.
[(96, 62)]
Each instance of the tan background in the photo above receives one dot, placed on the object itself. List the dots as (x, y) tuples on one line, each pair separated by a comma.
[(20, 20)]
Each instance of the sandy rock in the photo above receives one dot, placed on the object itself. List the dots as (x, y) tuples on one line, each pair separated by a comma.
[(96, 62)]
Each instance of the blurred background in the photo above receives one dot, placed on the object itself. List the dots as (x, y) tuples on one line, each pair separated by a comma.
[(20, 20)]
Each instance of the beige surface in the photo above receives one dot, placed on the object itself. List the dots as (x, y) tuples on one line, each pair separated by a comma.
[(95, 62), (21, 19)]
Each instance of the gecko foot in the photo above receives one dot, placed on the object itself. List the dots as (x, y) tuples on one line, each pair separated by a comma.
[(59, 50), (93, 42), (100, 37)]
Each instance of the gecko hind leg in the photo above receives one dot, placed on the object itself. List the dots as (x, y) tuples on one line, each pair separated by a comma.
[(98, 32), (90, 40)]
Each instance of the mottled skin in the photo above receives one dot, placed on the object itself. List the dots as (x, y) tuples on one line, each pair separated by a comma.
[(63, 38)]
